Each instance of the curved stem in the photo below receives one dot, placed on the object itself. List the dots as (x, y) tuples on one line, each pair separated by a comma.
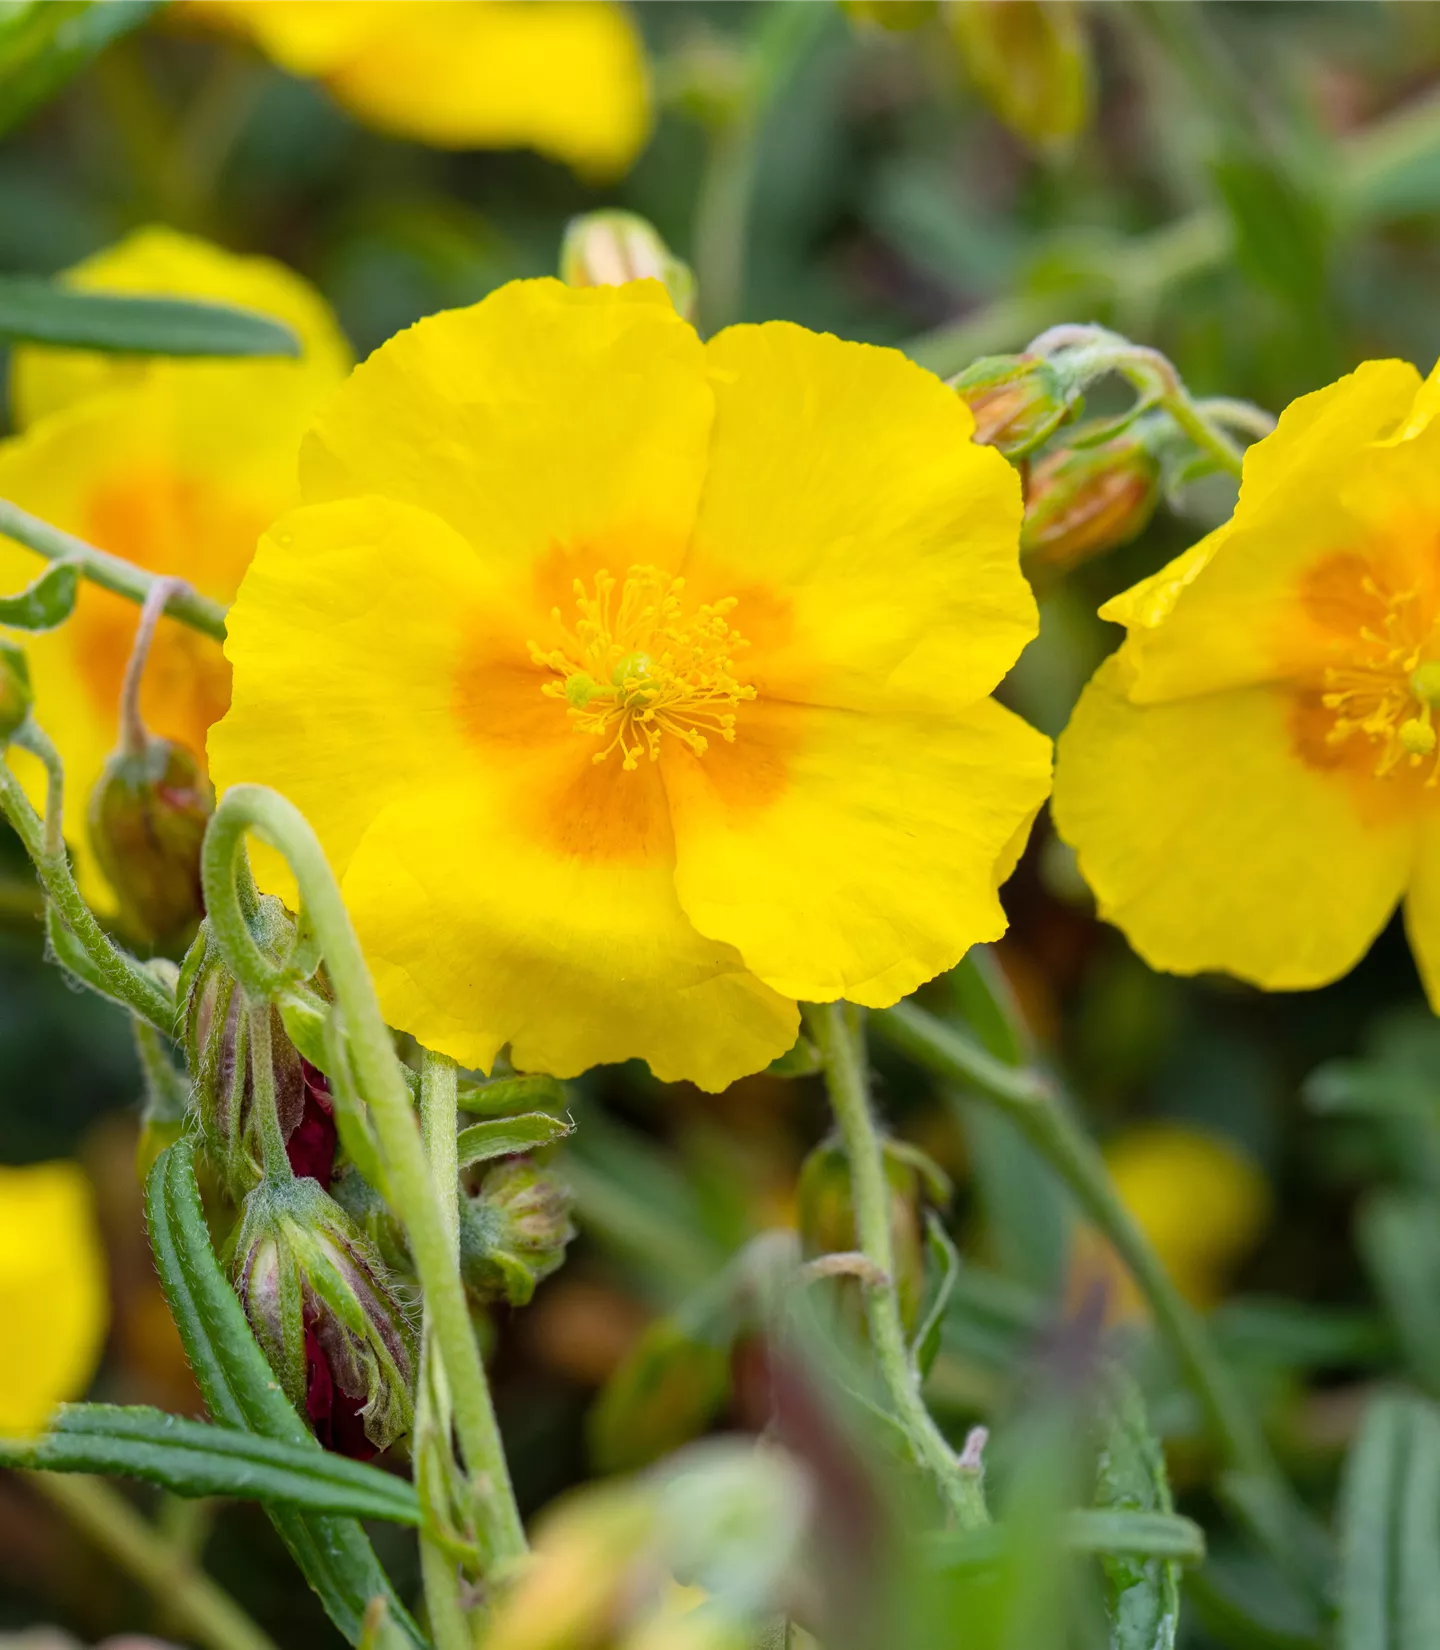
[(841, 1048), (1036, 1109), (33, 738), (117, 974), (204, 1610), (133, 736), (377, 1071), (110, 572)]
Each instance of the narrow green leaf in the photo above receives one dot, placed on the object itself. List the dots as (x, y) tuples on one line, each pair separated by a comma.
[(1390, 1529), (43, 312), (942, 1266), (1088, 1530), (1398, 1233), (504, 1136), (44, 43), (240, 1390), (194, 1458), (1142, 1593), (500, 1096), (46, 602)]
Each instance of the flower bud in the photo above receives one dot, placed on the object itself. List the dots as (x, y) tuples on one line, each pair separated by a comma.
[(373, 1216), (16, 694), (826, 1207), (610, 248), (218, 1053), (514, 1232), (1018, 401), (147, 820), (1081, 501), (895, 16), (326, 1316), (1030, 61)]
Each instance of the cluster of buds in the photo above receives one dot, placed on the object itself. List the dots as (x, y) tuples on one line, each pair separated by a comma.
[(220, 1055), (327, 1315), (514, 1231)]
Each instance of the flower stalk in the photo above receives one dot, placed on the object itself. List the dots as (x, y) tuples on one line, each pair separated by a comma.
[(836, 1031), (378, 1075)]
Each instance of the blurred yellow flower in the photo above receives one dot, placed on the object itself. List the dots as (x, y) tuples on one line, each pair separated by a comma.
[(566, 77), (1198, 1198), (177, 465), (52, 1293), (636, 686), (1252, 781)]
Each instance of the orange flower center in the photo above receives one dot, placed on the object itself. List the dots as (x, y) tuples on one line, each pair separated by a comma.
[(635, 666), (1386, 690)]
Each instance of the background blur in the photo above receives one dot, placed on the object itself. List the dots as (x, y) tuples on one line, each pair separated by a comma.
[(1255, 189)]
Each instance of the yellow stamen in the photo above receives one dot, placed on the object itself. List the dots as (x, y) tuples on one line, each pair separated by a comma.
[(1385, 691), (638, 667)]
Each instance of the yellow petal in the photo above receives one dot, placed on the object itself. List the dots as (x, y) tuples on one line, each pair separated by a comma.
[(179, 481), (349, 635), (483, 930), (845, 476), (1220, 615), (854, 854), (159, 262), (1422, 909), (542, 416), (566, 77), (1214, 847), (52, 1292)]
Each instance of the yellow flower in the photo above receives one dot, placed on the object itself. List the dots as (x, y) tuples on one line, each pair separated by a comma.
[(1201, 1202), (636, 686), (566, 77), (175, 464), (52, 1293), (1251, 781)]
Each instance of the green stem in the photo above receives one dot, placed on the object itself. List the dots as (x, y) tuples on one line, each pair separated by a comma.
[(116, 973), (203, 1610), (439, 1127), (273, 1156), (33, 738), (167, 1088), (837, 1035), (727, 186), (377, 1072), (109, 572), (1033, 1104)]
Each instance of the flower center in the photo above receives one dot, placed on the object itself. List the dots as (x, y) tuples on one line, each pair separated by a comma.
[(1387, 690), (635, 666)]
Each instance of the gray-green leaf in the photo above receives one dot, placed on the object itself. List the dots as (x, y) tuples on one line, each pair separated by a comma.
[(45, 602), (504, 1136), (43, 312)]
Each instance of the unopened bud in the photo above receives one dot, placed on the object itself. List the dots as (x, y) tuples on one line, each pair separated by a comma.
[(1018, 401), (219, 1056), (326, 1316), (1081, 501), (895, 16), (1030, 61), (16, 694), (514, 1231), (374, 1217), (826, 1207), (610, 248), (147, 820)]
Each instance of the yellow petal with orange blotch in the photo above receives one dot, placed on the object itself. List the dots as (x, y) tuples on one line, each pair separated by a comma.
[(1214, 846), (844, 483), (541, 417), (854, 854)]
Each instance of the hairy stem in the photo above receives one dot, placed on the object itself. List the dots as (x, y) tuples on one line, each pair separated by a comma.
[(841, 1046), (273, 1156), (116, 973), (377, 1072), (202, 1609), (439, 1125), (133, 736), (109, 572)]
